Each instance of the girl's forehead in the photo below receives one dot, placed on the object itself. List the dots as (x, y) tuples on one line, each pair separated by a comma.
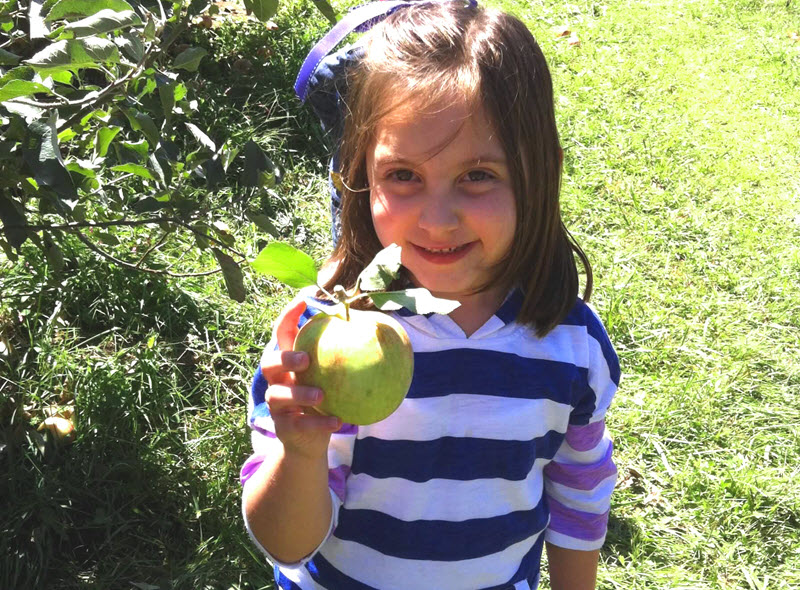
[(413, 131)]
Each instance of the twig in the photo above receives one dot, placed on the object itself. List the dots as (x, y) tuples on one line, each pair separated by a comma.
[(73, 227), (92, 98), (94, 248), (153, 247)]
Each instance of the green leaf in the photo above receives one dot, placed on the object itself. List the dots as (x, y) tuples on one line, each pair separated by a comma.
[(326, 9), (41, 153), (17, 88), (102, 22), (201, 137), (258, 168), (12, 214), (104, 137), (234, 279), (189, 59), (75, 54), (166, 94), (54, 255), (148, 127), (8, 59), (138, 150), (383, 269), (263, 223), (136, 169), (287, 264), (131, 46), (19, 73), (67, 8), (263, 10), (418, 301)]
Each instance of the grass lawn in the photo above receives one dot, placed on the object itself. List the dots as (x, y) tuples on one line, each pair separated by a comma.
[(680, 123)]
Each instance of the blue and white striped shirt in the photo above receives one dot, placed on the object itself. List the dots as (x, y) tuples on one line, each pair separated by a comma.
[(500, 445)]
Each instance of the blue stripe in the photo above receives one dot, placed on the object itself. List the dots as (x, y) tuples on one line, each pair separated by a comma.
[(258, 388), (487, 372), (582, 315), (325, 574), (460, 459), (283, 582), (440, 540), (510, 309)]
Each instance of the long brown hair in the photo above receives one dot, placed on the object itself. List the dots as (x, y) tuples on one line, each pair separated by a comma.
[(433, 52)]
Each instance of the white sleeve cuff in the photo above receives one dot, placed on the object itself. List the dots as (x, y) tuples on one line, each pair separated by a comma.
[(335, 505), (567, 542)]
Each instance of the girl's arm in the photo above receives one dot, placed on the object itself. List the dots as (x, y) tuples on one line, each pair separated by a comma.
[(288, 504), (287, 501), (571, 569)]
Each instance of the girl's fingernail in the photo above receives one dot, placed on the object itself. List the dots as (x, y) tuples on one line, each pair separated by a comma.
[(335, 423)]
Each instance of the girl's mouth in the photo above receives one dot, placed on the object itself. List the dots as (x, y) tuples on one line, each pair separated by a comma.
[(443, 255)]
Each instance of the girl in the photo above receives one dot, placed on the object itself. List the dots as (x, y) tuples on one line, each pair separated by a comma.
[(450, 150)]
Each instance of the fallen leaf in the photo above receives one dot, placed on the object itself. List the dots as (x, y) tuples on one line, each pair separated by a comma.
[(562, 31)]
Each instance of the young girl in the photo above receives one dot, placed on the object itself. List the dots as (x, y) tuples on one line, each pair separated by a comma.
[(450, 150)]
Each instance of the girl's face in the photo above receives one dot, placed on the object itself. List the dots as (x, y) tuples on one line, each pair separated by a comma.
[(440, 188)]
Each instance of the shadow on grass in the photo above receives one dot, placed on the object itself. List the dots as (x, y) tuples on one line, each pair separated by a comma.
[(145, 495)]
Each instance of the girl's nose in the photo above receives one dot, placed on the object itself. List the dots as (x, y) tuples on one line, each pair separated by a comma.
[(439, 214)]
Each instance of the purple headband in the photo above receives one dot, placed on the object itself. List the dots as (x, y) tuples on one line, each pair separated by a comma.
[(359, 19)]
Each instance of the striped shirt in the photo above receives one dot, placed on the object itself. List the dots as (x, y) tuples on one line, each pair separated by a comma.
[(499, 445)]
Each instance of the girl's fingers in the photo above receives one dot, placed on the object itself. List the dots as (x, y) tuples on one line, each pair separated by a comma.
[(275, 364), (286, 328), (308, 422), (287, 397)]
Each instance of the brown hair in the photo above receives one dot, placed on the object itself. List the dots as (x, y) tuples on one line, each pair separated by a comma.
[(433, 52)]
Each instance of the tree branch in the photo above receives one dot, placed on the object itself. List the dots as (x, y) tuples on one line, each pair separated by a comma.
[(97, 250), (76, 226)]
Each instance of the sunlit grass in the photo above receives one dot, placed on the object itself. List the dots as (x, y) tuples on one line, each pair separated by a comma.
[(680, 124)]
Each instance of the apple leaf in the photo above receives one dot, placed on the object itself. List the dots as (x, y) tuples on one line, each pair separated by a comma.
[(287, 264), (419, 301), (102, 22), (234, 280), (189, 59), (383, 269)]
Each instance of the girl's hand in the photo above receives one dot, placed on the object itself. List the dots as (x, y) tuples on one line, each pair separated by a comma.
[(298, 426)]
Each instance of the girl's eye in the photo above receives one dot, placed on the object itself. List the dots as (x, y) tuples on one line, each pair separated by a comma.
[(478, 175), (403, 175)]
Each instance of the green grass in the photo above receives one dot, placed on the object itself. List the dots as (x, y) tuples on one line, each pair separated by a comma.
[(680, 127)]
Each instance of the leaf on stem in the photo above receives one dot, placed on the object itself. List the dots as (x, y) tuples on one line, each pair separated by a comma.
[(287, 264), (104, 21), (263, 10), (67, 8), (234, 279), (419, 301), (189, 59), (383, 269)]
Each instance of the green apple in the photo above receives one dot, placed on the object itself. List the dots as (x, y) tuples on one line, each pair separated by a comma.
[(362, 362)]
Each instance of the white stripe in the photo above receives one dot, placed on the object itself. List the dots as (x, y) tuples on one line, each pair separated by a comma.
[(600, 380), (595, 501), (564, 343), (571, 542), (566, 454), (391, 573), (445, 499), (490, 417)]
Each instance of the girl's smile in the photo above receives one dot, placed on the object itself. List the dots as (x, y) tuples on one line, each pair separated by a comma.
[(440, 188)]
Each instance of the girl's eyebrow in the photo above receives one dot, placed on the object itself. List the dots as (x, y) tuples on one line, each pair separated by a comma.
[(479, 161)]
